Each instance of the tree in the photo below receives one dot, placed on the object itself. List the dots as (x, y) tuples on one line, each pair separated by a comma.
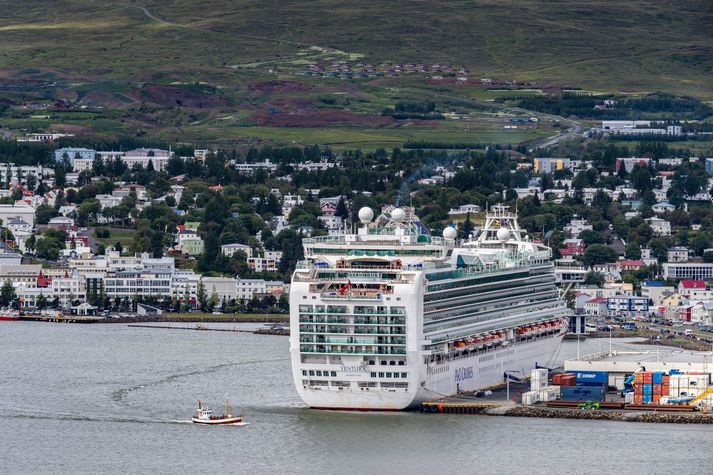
[(598, 254), (7, 294), (466, 227), (342, 211), (88, 211), (60, 176), (201, 296), (42, 302), (633, 251), (700, 243)]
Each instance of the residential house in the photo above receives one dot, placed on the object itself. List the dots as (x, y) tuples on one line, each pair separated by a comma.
[(576, 226), (628, 306), (677, 254), (596, 306), (572, 247), (660, 227), (464, 209), (229, 250)]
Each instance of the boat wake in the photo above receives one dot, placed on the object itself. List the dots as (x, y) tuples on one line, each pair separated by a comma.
[(77, 418), (120, 396)]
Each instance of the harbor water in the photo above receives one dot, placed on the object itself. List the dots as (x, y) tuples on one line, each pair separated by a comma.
[(114, 398)]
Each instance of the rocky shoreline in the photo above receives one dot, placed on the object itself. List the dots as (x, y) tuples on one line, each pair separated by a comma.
[(624, 416)]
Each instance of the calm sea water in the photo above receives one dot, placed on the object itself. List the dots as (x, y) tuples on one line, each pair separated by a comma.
[(111, 398)]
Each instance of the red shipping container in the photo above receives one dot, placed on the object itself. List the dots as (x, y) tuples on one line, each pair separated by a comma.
[(638, 378), (656, 398), (664, 389), (638, 398), (556, 379), (648, 378), (638, 389), (657, 389), (666, 379), (568, 380)]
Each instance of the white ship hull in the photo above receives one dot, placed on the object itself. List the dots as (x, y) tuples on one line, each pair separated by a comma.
[(469, 373)]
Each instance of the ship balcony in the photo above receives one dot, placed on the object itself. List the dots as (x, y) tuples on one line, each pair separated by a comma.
[(353, 351), (357, 321), (304, 319), (389, 341), (365, 331), (379, 321)]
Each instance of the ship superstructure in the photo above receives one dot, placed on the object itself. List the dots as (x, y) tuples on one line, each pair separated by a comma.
[(389, 316)]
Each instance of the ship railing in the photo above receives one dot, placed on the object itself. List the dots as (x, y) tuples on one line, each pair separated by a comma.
[(385, 351), (350, 341)]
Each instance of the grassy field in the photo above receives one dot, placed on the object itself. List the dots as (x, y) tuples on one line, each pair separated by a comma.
[(124, 236)]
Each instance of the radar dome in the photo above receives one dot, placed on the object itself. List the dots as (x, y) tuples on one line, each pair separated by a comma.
[(398, 215), (503, 234), (366, 214), (450, 233)]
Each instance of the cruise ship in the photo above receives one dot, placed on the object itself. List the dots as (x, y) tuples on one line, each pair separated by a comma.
[(389, 316)]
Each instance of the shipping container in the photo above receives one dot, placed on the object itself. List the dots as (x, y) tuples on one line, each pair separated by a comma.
[(656, 398), (548, 393), (556, 379), (638, 398), (537, 384), (648, 389), (648, 377), (582, 393), (629, 397), (595, 378), (657, 389), (529, 398), (568, 380), (647, 398), (539, 374), (639, 378), (657, 377), (666, 378)]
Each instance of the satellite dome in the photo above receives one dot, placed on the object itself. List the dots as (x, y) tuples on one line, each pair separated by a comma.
[(503, 234), (398, 215), (450, 233), (366, 214)]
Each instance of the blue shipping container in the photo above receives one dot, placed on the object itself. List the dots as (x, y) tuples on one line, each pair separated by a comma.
[(648, 389), (582, 393), (647, 398), (590, 377), (657, 377)]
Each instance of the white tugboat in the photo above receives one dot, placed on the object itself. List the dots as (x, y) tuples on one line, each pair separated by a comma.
[(204, 415)]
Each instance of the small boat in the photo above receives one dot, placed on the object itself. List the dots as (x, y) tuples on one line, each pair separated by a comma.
[(205, 416), (9, 315)]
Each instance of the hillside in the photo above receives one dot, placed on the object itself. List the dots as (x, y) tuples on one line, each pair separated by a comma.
[(294, 72), (610, 44)]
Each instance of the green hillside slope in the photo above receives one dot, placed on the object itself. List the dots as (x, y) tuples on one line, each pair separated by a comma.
[(607, 44)]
